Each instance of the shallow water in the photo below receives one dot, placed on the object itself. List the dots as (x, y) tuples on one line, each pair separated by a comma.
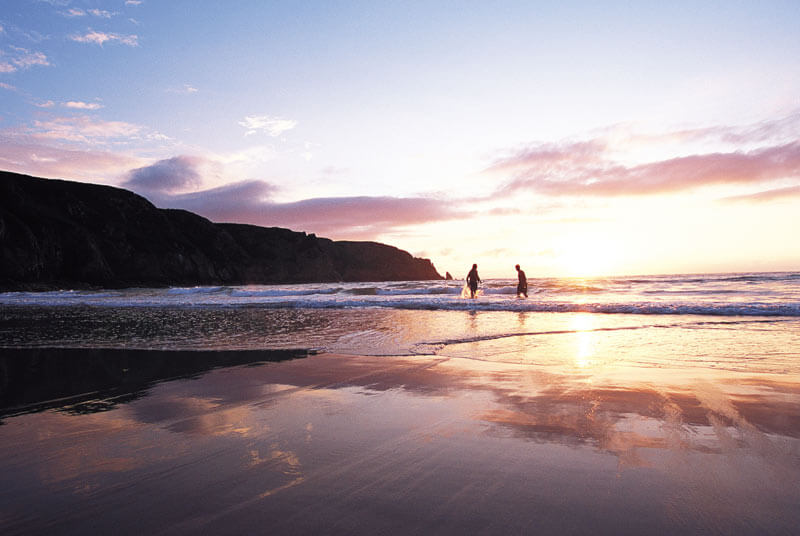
[(756, 294), (766, 344)]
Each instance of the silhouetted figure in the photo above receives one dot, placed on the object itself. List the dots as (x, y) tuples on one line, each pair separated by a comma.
[(472, 280), (522, 285)]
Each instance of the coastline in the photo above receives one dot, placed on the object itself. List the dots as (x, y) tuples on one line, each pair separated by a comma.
[(66, 234)]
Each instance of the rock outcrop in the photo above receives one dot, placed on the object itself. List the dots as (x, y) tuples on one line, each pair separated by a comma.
[(63, 234)]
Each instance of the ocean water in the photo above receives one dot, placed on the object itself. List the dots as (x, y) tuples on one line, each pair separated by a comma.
[(744, 294), (408, 318)]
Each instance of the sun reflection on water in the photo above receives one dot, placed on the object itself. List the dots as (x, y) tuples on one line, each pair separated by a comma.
[(583, 325)]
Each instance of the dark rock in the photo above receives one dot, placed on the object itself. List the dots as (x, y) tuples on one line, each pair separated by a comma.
[(447, 276), (62, 234)]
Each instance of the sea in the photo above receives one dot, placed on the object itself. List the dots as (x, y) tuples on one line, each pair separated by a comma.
[(416, 317)]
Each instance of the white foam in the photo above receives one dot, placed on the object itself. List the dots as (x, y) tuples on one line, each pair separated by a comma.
[(723, 295)]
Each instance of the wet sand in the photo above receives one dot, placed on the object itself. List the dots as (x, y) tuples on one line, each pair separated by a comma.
[(340, 444)]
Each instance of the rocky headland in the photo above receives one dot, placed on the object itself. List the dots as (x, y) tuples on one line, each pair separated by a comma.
[(65, 234)]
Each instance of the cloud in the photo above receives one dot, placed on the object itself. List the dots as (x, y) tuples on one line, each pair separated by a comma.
[(274, 126), (187, 89), (84, 129), (768, 195), (251, 202), (15, 32), (101, 13), (15, 58), (7, 86), (133, 2), (99, 38), (784, 128), (78, 105), (77, 12), (586, 168), (617, 161), (74, 12), (238, 202), (362, 217), (166, 176), (24, 154)]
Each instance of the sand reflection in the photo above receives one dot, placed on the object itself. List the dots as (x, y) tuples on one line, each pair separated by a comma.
[(583, 325), (419, 443)]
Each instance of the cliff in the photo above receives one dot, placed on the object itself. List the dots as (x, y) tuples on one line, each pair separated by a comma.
[(63, 234)]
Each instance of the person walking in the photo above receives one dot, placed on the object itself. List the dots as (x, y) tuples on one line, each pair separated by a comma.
[(472, 281), (522, 285)]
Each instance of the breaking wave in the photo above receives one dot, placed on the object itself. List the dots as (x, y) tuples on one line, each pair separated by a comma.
[(771, 294)]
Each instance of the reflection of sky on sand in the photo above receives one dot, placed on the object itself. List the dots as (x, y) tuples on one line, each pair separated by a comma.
[(576, 434)]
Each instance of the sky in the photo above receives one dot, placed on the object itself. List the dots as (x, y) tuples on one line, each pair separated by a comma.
[(573, 138)]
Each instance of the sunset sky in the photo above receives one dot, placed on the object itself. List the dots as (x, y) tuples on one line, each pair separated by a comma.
[(574, 138)]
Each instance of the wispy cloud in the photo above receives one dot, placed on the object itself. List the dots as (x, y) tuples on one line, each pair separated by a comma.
[(781, 129), (74, 12), (14, 32), (274, 126), (24, 154), (133, 2), (100, 13), (78, 105), (595, 168), (15, 58), (252, 202), (249, 202), (77, 12), (83, 129), (99, 38), (9, 87), (362, 214), (573, 171), (186, 89), (767, 195)]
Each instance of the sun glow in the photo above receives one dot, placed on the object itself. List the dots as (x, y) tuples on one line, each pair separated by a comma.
[(587, 256)]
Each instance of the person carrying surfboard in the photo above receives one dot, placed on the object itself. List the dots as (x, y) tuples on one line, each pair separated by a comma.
[(522, 285), (472, 280)]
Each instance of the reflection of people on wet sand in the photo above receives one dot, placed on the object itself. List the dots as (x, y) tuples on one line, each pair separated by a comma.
[(522, 286), (473, 280)]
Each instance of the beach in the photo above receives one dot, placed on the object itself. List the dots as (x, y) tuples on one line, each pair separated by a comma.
[(378, 268), (134, 413)]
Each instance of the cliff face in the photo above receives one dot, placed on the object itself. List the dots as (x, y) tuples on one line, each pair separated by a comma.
[(61, 234)]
